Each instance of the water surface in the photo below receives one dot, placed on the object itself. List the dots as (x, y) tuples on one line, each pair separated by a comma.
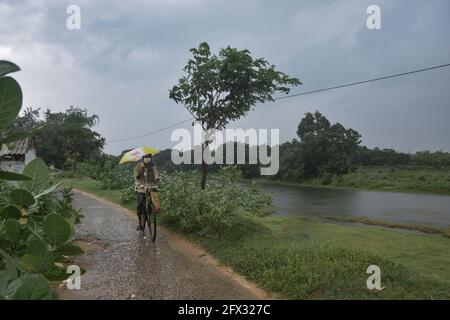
[(433, 210)]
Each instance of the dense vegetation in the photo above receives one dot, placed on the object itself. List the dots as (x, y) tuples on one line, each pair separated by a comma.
[(200, 212), (329, 154), (66, 138), (308, 259), (421, 179), (36, 219)]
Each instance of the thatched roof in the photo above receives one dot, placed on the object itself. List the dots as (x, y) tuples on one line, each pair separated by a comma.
[(21, 147)]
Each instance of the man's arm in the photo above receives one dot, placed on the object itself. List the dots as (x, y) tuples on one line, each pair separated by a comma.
[(155, 173), (138, 171)]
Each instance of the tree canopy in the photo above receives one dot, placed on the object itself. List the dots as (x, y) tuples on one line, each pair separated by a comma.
[(217, 89), (66, 138)]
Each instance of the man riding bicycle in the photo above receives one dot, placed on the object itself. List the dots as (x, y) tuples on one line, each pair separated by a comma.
[(145, 177)]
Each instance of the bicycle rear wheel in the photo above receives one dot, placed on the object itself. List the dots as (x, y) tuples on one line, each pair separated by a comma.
[(151, 222)]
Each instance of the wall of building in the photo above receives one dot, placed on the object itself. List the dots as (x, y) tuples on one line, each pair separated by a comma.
[(18, 165), (30, 155), (13, 166)]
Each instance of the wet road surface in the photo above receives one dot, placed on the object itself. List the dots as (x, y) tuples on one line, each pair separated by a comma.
[(123, 263)]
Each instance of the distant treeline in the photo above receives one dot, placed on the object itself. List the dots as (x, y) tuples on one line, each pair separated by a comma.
[(321, 149), (365, 158), (390, 157)]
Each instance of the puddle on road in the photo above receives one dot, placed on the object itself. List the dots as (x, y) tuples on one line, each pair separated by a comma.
[(87, 246)]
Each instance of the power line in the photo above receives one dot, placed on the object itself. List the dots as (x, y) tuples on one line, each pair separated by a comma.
[(301, 94), (364, 81), (153, 132)]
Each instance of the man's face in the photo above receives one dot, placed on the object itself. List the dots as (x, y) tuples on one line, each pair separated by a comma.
[(146, 160)]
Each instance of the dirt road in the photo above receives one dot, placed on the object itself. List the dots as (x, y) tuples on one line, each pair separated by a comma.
[(123, 263)]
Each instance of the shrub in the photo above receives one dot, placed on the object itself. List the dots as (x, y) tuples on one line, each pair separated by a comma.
[(36, 224), (128, 194), (326, 178), (225, 201)]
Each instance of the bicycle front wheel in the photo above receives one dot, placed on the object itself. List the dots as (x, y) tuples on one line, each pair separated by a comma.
[(151, 223)]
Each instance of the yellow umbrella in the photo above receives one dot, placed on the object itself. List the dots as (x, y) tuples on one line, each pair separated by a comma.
[(137, 154)]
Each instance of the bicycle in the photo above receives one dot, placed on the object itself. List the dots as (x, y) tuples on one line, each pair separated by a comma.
[(150, 215)]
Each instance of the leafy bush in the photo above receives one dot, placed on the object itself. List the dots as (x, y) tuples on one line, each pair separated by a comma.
[(36, 224), (209, 212), (107, 171), (128, 194), (326, 178)]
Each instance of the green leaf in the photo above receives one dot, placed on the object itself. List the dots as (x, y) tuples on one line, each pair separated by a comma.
[(33, 287), (19, 135), (69, 250), (12, 176), (57, 229), (22, 197), (4, 150), (37, 170), (9, 272), (12, 230), (49, 189), (56, 273), (37, 247), (11, 211), (34, 263), (7, 67), (10, 101)]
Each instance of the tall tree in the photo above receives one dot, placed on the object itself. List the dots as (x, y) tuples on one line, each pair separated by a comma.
[(326, 147), (66, 138), (217, 89)]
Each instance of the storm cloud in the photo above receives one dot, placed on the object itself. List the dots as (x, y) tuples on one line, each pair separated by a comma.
[(128, 54)]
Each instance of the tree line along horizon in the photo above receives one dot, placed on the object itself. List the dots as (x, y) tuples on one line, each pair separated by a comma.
[(320, 148)]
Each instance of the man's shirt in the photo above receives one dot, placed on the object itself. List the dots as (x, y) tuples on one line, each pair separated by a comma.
[(145, 176)]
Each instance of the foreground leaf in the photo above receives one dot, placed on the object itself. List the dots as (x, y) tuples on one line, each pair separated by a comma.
[(12, 230), (35, 264), (69, 250), (10, 101), (49, 189), (12, 176), (37, 247), (22, 198), (33, 287), (19, 135), (8, 67), (58, 230), (11, 212), (37, 170)]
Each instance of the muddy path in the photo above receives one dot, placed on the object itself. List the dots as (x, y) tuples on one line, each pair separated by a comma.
[(123, 263)]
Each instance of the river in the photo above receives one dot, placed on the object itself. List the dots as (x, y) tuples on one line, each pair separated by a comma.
[(424, 209)]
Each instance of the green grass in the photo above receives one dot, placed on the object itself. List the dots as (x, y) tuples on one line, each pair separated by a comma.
[(393, 225), (304, 259), (402, 179), (308, 259)]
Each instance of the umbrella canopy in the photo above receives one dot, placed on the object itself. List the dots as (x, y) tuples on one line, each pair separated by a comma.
[(137, 154)]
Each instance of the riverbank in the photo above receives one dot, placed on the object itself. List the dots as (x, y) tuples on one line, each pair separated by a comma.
[(307, 259), (428, 180)]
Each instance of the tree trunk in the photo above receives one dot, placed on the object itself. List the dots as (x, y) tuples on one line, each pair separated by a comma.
[(204, 174)]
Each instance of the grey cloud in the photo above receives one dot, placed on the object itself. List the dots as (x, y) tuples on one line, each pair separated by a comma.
[(127, 55)]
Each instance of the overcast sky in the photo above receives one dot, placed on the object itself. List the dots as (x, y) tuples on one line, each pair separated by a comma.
[(128, 54)]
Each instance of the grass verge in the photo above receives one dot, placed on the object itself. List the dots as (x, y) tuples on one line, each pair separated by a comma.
[(429, 180), (306, 259), (392, 225)]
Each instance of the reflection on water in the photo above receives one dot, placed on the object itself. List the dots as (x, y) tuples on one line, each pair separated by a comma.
[(390, 206)]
